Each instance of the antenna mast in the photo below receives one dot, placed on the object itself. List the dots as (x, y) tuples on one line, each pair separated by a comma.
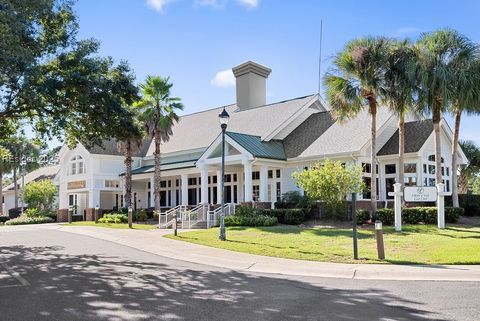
[(320, 61)]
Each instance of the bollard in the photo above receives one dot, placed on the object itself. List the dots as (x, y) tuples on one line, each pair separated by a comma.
[(379, 238), (70, 213), (130, 216), (354, 219), (96, 214)]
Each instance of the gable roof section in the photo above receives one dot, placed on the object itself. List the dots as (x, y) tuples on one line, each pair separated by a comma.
[(346, 137), (46, 172), (305, 134), (416, 134), (254, 145), (198, 130), (109, 147)]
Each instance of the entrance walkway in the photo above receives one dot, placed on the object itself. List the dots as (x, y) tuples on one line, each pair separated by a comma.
[(152, 241)]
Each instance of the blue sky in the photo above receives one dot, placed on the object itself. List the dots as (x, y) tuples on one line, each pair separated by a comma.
[(196, 42)]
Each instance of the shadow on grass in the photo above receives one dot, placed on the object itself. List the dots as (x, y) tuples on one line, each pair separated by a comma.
[(109, 287)]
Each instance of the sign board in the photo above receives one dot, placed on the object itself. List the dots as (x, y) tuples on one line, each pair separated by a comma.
[(76, 185), (420, 194)]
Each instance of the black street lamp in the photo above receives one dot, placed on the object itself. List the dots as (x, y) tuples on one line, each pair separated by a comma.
[(223, 119)]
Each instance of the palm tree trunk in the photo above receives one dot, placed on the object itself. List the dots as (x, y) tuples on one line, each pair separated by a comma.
[(128, 181), (157, 175), (436, 117), (15, 189), (456, 131), (401, 150), (463, 183), (373, 154), (1, 192)]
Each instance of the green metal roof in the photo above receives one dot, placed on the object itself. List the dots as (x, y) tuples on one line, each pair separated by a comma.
[(169, 163), (258, 148)]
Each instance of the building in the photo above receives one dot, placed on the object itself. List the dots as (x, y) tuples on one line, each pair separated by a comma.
[(265, 144)]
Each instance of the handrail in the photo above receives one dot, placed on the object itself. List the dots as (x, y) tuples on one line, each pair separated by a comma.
[(198, 214), (169, 215), (212, 215)]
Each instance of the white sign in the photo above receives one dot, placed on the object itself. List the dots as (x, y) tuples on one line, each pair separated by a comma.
[(420, 194)]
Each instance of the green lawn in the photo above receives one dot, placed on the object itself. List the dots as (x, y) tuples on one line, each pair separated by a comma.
[(416, 244), (116, 226)]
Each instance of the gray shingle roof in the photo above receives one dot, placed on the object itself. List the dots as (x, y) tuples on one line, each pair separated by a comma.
[(416, 134), (308, 132), (46, 172), (254, 145), (109, 147)]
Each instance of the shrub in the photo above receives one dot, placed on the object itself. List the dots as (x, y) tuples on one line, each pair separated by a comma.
[(40, 194), (469, 202), (363, 216), (23, 219), (294, 199), (15, 212), (291, 216), (247, 211), (142, 216), (386, 216), (428, 215), (34, 212), (259, 220), (156, 215), (3, 219), (115, 218)]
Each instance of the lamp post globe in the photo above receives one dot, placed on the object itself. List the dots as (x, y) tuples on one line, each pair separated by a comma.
[(223, 118)]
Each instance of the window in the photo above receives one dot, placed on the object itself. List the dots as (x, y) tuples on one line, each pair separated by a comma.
[(255, 175), (111, 183), (192, 181), (390, 169), (429, 170), (256, 192), (431, 158), (163, 184), (367, 168), (279, 190), (278, 173), (77, 165), (411, 168), (270, 174), (410, 181)]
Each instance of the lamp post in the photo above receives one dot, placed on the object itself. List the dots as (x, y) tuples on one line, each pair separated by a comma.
[(223, 119), (97, 208)]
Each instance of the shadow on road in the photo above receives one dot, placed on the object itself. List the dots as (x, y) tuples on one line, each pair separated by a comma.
[(108, 287)]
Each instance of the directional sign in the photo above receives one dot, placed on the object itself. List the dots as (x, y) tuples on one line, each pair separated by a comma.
[(420, 194)]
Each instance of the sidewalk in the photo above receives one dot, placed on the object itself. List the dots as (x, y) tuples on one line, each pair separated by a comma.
[(152, 241)]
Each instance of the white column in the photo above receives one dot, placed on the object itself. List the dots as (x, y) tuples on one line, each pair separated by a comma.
[(94, 198), (152, 195), (240, 185), (248, 184), (184, 189), (204, 184), (397, 194), (263, 183), (219, 187), (441, 205)]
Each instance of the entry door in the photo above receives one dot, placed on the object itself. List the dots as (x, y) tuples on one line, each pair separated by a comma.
[(73, 201)]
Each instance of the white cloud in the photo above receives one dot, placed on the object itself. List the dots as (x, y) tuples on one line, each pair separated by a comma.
[(224, 78), (158, 5), (217, 4), (249, 3)]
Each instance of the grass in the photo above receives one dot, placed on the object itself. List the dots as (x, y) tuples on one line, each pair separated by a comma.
[(416, 244), (111, 225)]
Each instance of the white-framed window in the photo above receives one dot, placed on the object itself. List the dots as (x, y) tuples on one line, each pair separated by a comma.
[(367, 179), (77, 165), (111, 183), (410, 174), (429, 172)]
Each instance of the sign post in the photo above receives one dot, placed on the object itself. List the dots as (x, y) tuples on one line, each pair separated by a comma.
[(441, 205), (397, 194)]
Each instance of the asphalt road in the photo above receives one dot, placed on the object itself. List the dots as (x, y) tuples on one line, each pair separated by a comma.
[(53, 275)]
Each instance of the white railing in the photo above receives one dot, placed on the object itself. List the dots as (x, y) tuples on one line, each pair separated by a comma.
[(215, 214), (195, 215), (166, 219)]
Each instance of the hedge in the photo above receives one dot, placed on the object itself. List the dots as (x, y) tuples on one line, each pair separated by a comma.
[(3, 219), (259, 220), (23, 219), (116, 218), (363, 216), (290, 216), (469, 202), (416, 215)]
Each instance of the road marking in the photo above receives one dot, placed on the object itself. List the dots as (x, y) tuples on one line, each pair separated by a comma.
[(15, 274)]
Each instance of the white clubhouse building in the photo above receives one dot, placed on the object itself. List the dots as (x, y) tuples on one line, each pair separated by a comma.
[(265, 144)]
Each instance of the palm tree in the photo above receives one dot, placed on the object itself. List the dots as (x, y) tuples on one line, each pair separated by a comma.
[(354, 84), (440, 54), (466, 98), (158, 111), (128, 146), (473, 168), (398, 89)]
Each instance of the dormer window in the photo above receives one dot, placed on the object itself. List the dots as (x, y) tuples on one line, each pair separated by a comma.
[(77, 165)]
